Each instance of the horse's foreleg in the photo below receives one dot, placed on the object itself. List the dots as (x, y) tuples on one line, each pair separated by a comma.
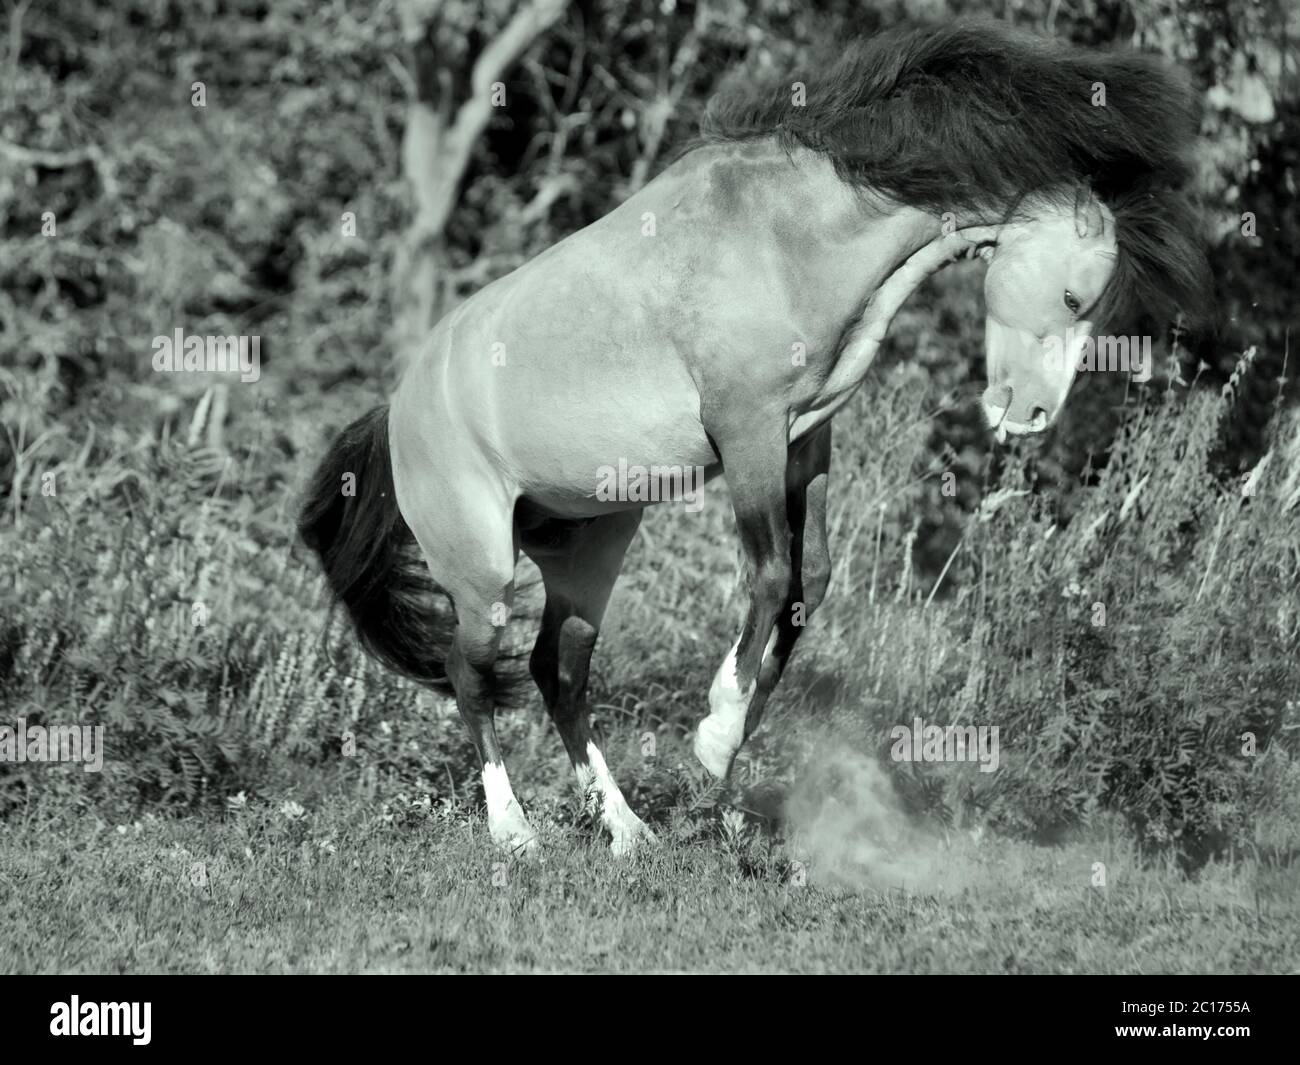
[(579, 575), (756, 477), (806, 483)]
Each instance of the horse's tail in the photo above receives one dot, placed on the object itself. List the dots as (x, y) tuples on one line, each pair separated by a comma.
[(372, 563)]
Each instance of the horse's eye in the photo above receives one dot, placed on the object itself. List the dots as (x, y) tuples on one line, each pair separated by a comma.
[(1072, 301)]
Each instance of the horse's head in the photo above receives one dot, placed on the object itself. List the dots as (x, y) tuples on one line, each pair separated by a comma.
[(1046, 273)]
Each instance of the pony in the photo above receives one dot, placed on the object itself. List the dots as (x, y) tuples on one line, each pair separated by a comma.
[(715, 322)]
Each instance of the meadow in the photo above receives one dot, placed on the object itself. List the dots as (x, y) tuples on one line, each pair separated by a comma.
[(1118, 598), (272, 801), (350, 886)]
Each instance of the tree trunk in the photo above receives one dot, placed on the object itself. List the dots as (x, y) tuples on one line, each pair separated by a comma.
[(437, 148)]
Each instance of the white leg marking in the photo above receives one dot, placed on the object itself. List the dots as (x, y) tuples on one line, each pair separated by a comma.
[(599, 787), (506, 821), (721, 733)]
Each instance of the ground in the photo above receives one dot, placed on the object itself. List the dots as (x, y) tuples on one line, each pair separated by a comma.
[(352, 884)]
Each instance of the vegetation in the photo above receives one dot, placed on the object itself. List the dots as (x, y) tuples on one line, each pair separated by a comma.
[(345, 885), (1119, 598)]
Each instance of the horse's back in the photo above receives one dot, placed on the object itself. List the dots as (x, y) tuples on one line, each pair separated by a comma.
[(573, 361), (605, 347)]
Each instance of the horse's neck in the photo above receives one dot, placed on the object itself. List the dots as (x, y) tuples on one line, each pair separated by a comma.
[(860, 259), (841, 243), (863, 341), (893, 293), (851, 256)]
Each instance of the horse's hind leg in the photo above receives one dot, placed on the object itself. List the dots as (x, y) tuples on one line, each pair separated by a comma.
[(579, 573), (470, 552), (480, 614)]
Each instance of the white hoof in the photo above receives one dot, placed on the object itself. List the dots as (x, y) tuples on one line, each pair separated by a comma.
[(601, 795), (716, 744), (514, 834), (628, 834), (721, 733), (507, 824)]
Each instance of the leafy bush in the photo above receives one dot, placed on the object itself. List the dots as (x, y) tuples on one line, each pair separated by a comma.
[(169, 496), (1141, 658)]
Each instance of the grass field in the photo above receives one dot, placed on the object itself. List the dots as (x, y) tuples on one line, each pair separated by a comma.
[(1116, 597), (350, 885), (1127, 828)]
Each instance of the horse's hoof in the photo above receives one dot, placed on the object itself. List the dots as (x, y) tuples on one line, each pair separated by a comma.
[(520, 844), (714, 749), (628, 837), (512, 832)]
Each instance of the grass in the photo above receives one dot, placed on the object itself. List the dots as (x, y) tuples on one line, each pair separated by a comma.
[(1134, 631), (1140, 661), (352, 885)]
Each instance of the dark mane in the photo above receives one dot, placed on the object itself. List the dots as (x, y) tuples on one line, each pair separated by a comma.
[(976, 117)]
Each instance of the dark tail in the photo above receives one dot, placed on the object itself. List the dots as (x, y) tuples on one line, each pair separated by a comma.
[(375, 568), (371, 561)]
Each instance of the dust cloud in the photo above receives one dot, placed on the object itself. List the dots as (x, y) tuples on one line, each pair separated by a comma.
[(848, 828)]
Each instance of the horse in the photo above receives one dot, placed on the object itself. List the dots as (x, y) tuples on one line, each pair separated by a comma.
[(716, 321)]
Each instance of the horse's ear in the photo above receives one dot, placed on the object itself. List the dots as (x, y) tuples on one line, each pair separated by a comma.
[(1089, 216)]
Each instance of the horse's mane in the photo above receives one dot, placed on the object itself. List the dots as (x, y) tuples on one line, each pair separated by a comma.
[(977, 118)]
